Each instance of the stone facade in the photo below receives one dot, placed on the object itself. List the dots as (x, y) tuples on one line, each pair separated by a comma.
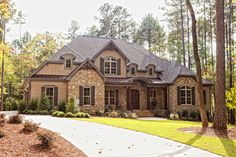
[(191, 82), (88, 77)]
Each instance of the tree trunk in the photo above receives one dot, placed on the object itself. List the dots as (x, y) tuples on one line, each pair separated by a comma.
[(182, 32), (189, 59), (2, 75), (220, 121), (202, 108)]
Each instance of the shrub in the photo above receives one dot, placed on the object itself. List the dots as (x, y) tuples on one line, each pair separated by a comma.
[(113, 114), (44, 104), (15, 119), (30, 126), (132, 116), (184, 114), (25, 111), (99, 113), (123, 114), (46, 138), (43, 112), (60, 114), (10, 104), (2, 134), (62, 106), (194, 115), (69, 114), (174, 116), (86, 115), (21, 106), (2, 122), (32, 112), (54, 114), (79, 115), (70, 107), (33, 105), (2, 116)]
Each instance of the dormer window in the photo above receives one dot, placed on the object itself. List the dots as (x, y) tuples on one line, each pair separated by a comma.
[(110, 66), (68, 63), (132, 70), (150, 71)]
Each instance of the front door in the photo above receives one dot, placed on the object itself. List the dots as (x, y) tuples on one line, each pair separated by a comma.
[(135, 99)]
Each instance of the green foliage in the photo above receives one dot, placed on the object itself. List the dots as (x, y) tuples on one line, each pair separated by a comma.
[(21, 106), (44, 104), (54, 114), (99, 113), (10, 104), (70, 105), (62, 106), (60, 114), (231, 98), (73, 30), (33, 105), (44, 112), (69, 114)]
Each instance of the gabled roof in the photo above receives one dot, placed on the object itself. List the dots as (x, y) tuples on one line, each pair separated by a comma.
[(86, 64), (89, 47)]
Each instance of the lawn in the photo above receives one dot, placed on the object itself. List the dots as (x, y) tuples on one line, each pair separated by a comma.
[(168, 129)]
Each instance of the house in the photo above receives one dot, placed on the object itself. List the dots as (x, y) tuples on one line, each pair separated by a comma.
[(102, 73)]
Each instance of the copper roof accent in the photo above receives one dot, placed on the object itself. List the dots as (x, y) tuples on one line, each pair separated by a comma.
[(128, 81), (49, 77)]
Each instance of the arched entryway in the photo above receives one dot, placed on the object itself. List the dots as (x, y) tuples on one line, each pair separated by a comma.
[(135, 99)]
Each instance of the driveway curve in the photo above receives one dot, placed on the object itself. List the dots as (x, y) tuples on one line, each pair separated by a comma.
[(97, 140)]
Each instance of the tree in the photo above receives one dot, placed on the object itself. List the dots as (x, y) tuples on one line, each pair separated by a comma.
[(231, 98), (20, 20), (73, 30), (220, 121), (92, 31), (153, 34), (202, 108)]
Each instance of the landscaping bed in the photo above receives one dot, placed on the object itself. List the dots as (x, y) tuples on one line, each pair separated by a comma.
[(19, 142)]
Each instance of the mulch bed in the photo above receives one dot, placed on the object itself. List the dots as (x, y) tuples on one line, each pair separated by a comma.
[(230, 133), (16, 143)]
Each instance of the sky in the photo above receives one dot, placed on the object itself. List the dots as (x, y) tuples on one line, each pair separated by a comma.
[(55, 15)]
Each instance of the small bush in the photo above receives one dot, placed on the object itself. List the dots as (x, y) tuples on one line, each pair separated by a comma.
[(44, 104), (10, 104), (62, 106), (54, 114), (79, 115), (99, 113), (2, 122), (32, 112), (174, 116), (46, 138), (184, 113), (193, 115), (2, 116), (30, 126), (25, 111), (33, 105), (43, 112), (60, 114), (15, 119), (70, 107), (69, 114), (122, 114), (2, 134), (113, 114), (86, 115), (21, 106), (132, 116)]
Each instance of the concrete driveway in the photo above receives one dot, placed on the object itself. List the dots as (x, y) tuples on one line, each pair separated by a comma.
[(98, 140)]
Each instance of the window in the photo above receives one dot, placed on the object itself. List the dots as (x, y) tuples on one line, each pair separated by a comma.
[(152, 94), (186, 95), (49, 93), (150, 71), (110, 97), (110, 65), (68, 63), (87, 95), (132, 71)]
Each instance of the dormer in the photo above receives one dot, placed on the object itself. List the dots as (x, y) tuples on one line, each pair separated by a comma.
[(132, 69), (151, 70), (68, 60)]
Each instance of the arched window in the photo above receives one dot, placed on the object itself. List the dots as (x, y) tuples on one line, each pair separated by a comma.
[(186, 95), (110, 65)]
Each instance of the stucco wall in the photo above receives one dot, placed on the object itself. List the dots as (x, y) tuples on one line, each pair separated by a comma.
[(186, 81), (88, 77), (116, 55)]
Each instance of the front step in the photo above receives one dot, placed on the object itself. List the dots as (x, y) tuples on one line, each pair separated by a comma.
[(143, 113)]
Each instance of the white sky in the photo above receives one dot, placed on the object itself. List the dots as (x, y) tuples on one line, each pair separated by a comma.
[(56, 15)]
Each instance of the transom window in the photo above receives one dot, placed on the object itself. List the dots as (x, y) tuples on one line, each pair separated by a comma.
[(87, 95), (110, 65), (68, 63), (110, 97), (186, 95), (49, 93)]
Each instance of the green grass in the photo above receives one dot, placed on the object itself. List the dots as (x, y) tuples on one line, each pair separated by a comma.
[(168, 129)]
